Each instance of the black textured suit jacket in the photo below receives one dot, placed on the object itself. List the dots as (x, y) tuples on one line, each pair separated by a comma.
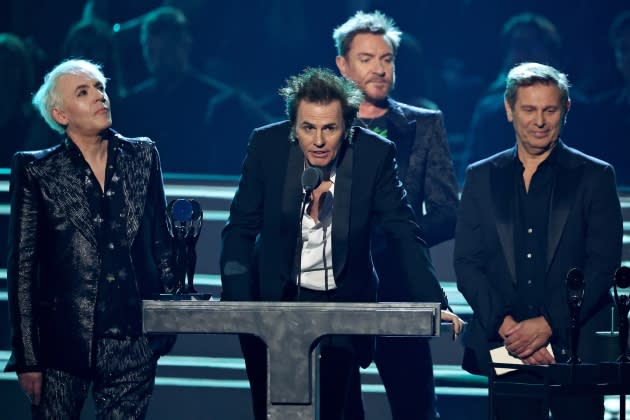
[(54, 261), (426, 167)]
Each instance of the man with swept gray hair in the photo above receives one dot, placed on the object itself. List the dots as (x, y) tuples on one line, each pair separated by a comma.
[(87, 242), (367, 44), (529, 215)]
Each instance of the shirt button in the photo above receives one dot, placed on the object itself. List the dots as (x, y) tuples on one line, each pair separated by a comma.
[(110, 245), (529, 255), (530, 230), (529, 282)]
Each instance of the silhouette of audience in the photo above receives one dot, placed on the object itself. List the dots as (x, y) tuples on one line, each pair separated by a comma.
[(526, 37), (613, 107), (19, 127), (93, 39), (201, 124)]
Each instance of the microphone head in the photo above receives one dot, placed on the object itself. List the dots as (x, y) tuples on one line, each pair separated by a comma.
[(311, 178), (622, 277), (575, 279)]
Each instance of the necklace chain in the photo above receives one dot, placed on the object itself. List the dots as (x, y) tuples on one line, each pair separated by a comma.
[(367, 123)]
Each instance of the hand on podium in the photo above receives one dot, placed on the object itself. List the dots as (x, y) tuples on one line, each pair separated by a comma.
[(458, 323)]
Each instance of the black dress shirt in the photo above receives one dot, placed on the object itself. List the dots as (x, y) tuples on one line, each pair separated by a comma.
[(530, 234), (118, 302)]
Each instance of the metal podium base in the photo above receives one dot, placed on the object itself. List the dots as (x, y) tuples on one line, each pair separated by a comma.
[(291, 375)]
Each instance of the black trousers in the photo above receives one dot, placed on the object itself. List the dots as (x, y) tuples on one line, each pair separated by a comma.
[(404, 363), (122, 383), (338, 363)]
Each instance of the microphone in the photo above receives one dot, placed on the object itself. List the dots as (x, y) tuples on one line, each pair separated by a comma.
[(575, 287), (575, 296), (311, 178), (622, 277)]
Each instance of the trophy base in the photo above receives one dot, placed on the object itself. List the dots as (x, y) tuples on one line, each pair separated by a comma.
[(185, 296)]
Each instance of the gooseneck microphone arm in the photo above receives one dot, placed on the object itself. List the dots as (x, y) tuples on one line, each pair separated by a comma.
[(575, 296), (311, 178)]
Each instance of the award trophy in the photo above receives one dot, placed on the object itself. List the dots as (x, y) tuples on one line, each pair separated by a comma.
[(184, 220), (622, 281)]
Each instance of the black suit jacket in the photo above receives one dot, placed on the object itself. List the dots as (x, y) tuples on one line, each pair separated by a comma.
[(54, 258), (584, 231), (266, 210), (426, 167)]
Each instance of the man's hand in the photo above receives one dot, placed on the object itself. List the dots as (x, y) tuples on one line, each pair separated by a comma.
[(508, 322), (31, 383), (526, 337), (540, 357), (458, 323)]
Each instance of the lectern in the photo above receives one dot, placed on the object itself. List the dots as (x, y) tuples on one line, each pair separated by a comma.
[(289, 330)]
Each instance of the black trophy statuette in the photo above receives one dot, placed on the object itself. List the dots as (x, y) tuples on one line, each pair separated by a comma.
[(184, 221), (575, 297), (622, 300)]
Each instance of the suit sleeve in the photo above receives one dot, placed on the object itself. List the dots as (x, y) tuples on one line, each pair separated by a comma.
[(161, 239), (22, 268), (603, 243), (440, 185), (396, 217), (471, 259), (240, 232)]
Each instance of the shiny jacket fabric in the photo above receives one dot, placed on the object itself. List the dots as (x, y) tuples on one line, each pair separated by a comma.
[(53, 259)]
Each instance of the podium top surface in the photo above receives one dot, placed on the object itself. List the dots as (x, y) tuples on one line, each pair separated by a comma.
[(420, 319)]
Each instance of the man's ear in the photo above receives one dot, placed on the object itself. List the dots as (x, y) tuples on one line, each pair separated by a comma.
[(59, 116), (342, 65), (508, 110), (567, 107)]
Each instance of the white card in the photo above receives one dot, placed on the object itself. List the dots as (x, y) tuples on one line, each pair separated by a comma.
[(501, 355)]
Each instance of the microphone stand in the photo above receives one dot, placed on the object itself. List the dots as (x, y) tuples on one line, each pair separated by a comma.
[(311, 178), (622, 301), (299, 242), (575, 296), (574, 314)]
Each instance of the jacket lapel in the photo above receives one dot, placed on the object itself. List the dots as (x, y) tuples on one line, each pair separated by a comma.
[(341, 209), (502, 184), (133, 164), (563, 195), (60, 177), (292, 190)]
